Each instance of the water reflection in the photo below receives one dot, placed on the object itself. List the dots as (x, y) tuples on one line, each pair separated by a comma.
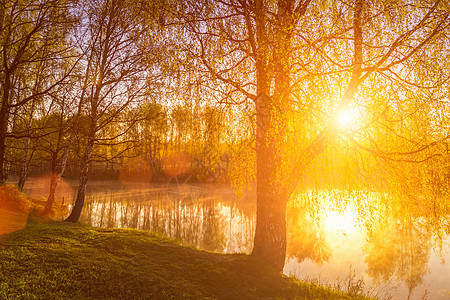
[(388, 246), (334, 235), (306, 238), (399, 251), (187, 213)]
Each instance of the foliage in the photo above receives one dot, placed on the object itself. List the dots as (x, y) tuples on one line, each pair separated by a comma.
[(57, 212), (14, 200), (136, 169), (14, 209)]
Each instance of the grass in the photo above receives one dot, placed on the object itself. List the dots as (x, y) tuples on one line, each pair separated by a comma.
[(67, 261)]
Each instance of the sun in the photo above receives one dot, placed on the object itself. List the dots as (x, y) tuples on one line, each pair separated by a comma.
[(346, 118)]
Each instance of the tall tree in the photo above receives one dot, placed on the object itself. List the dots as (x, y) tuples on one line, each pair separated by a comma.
[(62, 118), (301, 63), (29, 33), (113, 75)]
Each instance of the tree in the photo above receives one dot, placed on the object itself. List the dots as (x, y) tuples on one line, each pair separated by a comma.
[(29, 34), (301, 63), (113, 76), (59, 142)]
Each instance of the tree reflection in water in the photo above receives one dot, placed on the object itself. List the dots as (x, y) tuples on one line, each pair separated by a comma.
[(307, 239), (189, 215), (398, 250), (396, 239)]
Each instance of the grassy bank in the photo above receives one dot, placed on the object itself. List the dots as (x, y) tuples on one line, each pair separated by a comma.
[(65, 261)]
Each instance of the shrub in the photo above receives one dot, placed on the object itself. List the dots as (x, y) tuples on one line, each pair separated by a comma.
[(14, 200)]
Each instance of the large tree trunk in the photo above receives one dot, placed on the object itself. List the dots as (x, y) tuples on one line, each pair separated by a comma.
[(270, 234), (271, 133), (272, 195)]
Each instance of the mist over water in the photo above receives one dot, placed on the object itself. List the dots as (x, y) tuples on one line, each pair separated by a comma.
[(348, 239)]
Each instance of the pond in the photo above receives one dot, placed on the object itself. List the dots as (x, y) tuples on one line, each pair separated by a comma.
[(347, 239)]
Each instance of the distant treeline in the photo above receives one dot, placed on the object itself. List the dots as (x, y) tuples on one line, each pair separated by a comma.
[(156, 144)]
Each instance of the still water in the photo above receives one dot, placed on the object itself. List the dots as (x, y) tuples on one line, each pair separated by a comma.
[(350, 240)]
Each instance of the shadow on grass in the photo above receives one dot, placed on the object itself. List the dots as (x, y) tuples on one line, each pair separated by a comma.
[(66, 261)]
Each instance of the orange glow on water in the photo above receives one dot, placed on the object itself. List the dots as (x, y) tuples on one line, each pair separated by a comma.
[(40, 187)]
